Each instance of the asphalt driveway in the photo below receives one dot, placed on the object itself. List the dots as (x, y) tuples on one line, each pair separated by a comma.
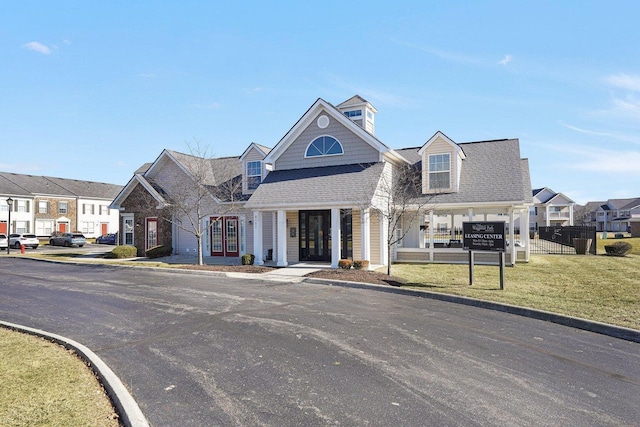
[(206, 350)]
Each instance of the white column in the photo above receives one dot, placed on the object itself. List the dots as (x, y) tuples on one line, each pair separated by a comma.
[(431, 235), (336, 243), (470, 214), (274, 239), (453, 226), (512, 236), (546, 214), (282, 239), (421, 233), (365, 225), (384, 237), (257, 237), (524, 232), (571, 216)]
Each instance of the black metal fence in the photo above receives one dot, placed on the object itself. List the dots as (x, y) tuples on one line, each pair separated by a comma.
[(568, 240)]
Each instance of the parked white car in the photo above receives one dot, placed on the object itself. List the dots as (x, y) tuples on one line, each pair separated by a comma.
[(28, 240), (4, 243)]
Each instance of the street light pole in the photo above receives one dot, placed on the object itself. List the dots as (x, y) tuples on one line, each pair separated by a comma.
[(10, 203)]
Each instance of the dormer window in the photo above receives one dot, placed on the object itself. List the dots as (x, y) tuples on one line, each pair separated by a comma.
[(353, 113), (439, 171), (254, 175), (324, 146)]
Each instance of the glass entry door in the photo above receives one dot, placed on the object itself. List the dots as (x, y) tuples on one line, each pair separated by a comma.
[(315, 233)]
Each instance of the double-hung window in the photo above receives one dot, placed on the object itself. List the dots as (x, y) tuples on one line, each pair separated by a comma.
[(254, 175), (63, 207), (440, 171)]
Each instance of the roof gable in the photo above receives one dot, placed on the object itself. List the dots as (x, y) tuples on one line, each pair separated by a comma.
[(256, 147), (137, 179), (439, 136), (333, 113)]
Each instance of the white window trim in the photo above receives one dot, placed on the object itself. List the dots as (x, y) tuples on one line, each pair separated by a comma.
[(428, 173), (323, 155)]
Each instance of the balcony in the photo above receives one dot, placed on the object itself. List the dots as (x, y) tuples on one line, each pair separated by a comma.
[(557, 216)]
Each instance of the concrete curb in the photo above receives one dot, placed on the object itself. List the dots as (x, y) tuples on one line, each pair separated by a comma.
[(620, 332), (126, 407)]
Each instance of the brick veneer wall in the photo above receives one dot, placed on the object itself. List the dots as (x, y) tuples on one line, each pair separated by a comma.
[(53, 214), (143, 206)]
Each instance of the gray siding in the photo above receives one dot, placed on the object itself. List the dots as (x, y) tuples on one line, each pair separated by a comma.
[(252, 156), (355, 149)]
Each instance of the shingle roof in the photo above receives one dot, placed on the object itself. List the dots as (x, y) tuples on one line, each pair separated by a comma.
[(625, 204), (10, 188), (88, 189), (213, 171), (35, 185), (492, 172), (321, 186)]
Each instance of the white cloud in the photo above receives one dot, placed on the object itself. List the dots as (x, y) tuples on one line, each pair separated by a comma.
[(630, 105), (507, 59), (594, 159), (624, 81), (635, 139), (37, 47)]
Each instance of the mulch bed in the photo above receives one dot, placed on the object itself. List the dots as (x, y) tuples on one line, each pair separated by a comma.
[(230, 268), (362, 276)]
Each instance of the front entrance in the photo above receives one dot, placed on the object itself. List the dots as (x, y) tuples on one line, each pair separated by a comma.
[(152, 233), (224, 236), (315, 233)]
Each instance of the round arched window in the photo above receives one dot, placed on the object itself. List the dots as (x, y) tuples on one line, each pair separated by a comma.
[(324, 146)]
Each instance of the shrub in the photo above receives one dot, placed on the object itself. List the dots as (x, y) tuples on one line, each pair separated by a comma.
[(159, 251), (361, 264), (618, 249), (345, 264), (122, 252), (248, 259)]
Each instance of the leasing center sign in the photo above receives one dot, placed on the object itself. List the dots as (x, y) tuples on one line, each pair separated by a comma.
[(483, 236)]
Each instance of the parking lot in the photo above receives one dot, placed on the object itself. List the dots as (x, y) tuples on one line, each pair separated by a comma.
[(46, 248)]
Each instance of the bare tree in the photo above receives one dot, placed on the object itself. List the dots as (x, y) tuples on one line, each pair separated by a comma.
[(399, 202), (202, 187), (581, 216)]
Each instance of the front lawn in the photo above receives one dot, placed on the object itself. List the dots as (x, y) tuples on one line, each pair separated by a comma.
[(601, 288)]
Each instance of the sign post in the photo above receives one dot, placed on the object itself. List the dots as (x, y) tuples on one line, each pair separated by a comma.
[(484, 236)]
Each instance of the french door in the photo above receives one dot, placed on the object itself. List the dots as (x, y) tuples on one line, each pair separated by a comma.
[(315, 231), (224, 236)]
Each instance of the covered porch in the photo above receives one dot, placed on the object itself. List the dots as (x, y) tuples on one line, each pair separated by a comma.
[(439, 238), (309, 234)]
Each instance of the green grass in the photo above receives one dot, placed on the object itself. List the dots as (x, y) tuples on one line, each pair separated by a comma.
[(601, 288), (43, 384)]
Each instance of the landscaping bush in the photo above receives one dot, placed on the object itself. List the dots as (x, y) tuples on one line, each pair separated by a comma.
[(361, 264), (345, 264), (159, 251), (247, 259), (122, 252), (618, 249)]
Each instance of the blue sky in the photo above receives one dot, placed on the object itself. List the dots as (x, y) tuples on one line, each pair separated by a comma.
[(92, 91)]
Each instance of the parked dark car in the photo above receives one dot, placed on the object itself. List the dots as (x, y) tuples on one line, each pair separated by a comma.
[(107, 239), (68, 239)]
